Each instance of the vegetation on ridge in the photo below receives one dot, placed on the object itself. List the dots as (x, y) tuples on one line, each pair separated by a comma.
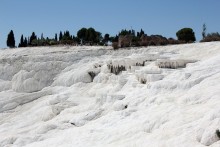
[(125, 38)]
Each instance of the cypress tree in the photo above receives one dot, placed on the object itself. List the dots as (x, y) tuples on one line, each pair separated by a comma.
[(141, 33), (106, 38), (11, 40), (42, 36), (56, 37), (203, 31), (21, 44), (33, 37), (67, 34), (60, 36), (25, 42)]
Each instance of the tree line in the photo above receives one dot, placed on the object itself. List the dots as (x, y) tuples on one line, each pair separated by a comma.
[(85, 36), (125, 38)]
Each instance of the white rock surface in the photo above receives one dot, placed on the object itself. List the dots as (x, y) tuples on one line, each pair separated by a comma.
[(48, 98)]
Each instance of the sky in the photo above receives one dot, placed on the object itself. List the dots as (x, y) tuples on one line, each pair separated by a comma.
[(163, 17)]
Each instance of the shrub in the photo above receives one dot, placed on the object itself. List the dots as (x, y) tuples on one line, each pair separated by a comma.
[(143, 43), (151, 43), (211, 37), (172, 41), (125, 44), (53, 42), (115, 45), (34, 42)]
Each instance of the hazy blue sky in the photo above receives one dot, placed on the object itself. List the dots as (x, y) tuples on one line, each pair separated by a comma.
[(163, 17)]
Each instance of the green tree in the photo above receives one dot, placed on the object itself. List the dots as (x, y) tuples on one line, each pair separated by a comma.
[(204, 31), (91, 35), (114, 39), (34, 42), (21, 44), (42, 36), (11, 39), (106, 38), (81, 34), (98, 38), (66, 38), (141, 33), (55, 37), (124, 32), (76, 39), (186, 34), (60, 36), (33, 37), (67, 34), (25, 42)]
